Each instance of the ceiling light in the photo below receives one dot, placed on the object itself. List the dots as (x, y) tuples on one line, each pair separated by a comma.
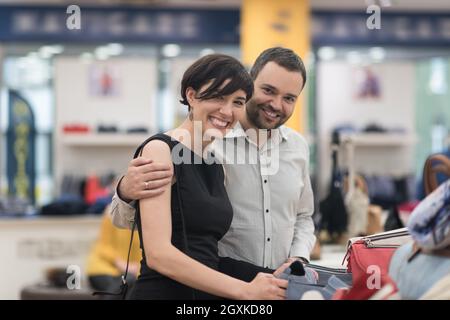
[(170, 50), (327, 53), (377, 53)]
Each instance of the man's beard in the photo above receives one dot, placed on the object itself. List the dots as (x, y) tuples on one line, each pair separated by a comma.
[(255, 118)]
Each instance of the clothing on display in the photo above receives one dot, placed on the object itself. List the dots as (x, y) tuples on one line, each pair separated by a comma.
[(368, 128), (326, 281), (101, 128), (140, 130), (422, 263), (357, 204), (408, 262), (81, 194), (374, 128), (389, 191), (64, 207), (76, 128), (94, 190), (429, 223)]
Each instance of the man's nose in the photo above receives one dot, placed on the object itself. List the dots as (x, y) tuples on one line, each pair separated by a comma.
[(276, 104)]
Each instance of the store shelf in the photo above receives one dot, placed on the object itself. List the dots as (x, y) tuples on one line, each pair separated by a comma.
[(104, 139), (379, 139)]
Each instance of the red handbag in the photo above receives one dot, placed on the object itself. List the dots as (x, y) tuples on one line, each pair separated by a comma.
[(368, 260)]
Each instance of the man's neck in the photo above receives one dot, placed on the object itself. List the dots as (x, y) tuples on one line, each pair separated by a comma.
[(260, 138)]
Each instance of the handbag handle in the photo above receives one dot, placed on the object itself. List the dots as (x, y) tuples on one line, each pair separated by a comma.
[(431, 169), (124, 285), (165, 138)]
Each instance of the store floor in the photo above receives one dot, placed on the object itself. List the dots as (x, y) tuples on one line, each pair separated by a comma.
[(332, 255)]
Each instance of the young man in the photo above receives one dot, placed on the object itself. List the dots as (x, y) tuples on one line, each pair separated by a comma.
[(271, 190)]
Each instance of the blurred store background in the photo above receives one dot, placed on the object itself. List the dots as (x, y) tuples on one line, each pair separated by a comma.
[(75, 103)]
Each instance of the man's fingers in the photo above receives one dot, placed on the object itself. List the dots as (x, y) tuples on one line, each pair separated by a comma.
[(157, 184), (139, 161), (153, 167), (157, 175)]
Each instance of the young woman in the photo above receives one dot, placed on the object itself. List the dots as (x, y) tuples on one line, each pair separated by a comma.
[(180, 228)]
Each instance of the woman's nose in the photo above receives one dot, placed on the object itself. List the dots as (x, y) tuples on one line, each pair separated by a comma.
[(227, 109)]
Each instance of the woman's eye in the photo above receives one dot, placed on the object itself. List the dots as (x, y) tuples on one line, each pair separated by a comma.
[(239, 103)]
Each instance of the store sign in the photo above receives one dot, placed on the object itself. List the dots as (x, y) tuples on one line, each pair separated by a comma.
[(20, 145), (118, 24), (220, 26), (351, 28)]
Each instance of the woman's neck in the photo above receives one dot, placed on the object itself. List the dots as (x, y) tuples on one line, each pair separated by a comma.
[(191, 135)]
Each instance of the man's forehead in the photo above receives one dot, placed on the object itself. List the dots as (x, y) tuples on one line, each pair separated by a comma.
[(280, 78)]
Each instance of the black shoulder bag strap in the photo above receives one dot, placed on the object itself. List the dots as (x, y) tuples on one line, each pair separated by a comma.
[(124, 286)]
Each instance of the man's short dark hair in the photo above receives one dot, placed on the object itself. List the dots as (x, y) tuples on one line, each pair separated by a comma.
[(216, 68), (283, 57)]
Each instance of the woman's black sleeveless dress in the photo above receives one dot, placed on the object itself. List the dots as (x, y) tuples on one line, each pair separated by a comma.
[(207, 216)]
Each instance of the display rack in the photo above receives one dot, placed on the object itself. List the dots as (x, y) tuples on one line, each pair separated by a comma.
[(131, 105)]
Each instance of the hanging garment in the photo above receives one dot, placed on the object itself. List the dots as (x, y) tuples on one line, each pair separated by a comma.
[(429, 223), (374, 220), (357, 206)]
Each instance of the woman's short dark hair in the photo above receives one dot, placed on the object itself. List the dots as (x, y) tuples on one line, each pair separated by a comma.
[(216, 68)]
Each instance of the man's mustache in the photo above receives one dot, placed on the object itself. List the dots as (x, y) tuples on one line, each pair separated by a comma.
[(267, 107)]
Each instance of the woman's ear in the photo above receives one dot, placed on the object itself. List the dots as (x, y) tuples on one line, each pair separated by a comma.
[(190, 95)]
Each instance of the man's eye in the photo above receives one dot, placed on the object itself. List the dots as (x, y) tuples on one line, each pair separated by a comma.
[(267, 90), (290, 99)]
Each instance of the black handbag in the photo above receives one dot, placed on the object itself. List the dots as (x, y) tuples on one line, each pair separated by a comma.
[(334, 214)]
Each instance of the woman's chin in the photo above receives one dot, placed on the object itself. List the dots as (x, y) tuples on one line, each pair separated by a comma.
[(215, 133)]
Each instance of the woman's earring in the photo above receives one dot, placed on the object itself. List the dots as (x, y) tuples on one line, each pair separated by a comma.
[(191, 116)]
